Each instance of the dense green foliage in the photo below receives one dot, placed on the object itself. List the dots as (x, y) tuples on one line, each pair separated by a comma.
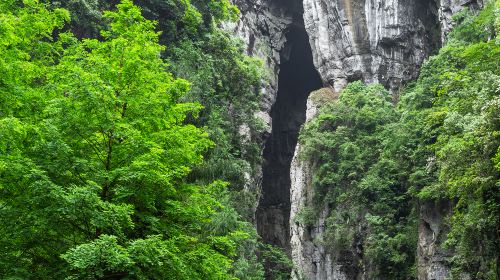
[(454, 111), (114, 166), (376, 162), (177, 19), (95, 148), (360, 180), (221, 75), (226, 82)]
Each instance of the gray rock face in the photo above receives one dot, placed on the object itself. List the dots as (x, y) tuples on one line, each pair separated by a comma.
[(431, 234), (274, 31), (261, 28), (311, 259), (377, 41)]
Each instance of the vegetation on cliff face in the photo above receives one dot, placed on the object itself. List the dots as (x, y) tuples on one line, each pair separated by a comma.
[(376, 161), (358, 173), (124, 159), (454, 109), (97, 140)]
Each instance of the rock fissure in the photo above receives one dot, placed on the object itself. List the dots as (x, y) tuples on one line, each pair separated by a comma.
[(297, 78)]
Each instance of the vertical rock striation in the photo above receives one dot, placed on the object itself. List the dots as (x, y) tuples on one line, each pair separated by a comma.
[(311, 259), (377, 41), (296, 79), (274, 31), (262, 28), (432, 258)]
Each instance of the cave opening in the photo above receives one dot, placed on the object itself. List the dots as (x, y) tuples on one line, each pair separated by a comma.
[(297, 78)]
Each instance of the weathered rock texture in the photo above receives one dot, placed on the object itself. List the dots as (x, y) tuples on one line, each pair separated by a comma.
[(310, 257), (297, 78), (274, 31), (377, 41), (384, 41), (262, 27), (372, 40), (431, 234)]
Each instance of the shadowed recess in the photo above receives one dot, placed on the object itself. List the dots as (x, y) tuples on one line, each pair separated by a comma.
[(297, 78)]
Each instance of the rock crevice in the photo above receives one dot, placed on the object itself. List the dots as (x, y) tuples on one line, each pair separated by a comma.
[(297, 78)]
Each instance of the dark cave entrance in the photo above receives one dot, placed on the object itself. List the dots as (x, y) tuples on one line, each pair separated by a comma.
[(297, 78)]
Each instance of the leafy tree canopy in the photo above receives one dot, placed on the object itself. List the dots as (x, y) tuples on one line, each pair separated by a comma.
[(94, 152)]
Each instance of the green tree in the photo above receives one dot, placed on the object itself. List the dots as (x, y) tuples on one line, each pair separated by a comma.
[(222, 77), (224, 80), (93, 185), (453, 111)]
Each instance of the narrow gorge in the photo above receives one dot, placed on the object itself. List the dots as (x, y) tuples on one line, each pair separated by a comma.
[(297, 78), (311, 44)]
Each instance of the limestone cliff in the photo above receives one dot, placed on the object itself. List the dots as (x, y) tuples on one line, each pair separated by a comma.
[(377, 41), (274, 31), (431, 233), (311, 258)]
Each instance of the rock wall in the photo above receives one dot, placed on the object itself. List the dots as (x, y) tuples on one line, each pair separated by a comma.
[(274, 31), (262, 28), (311, 259), (377, 41), (297, 78), (431, 234)]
